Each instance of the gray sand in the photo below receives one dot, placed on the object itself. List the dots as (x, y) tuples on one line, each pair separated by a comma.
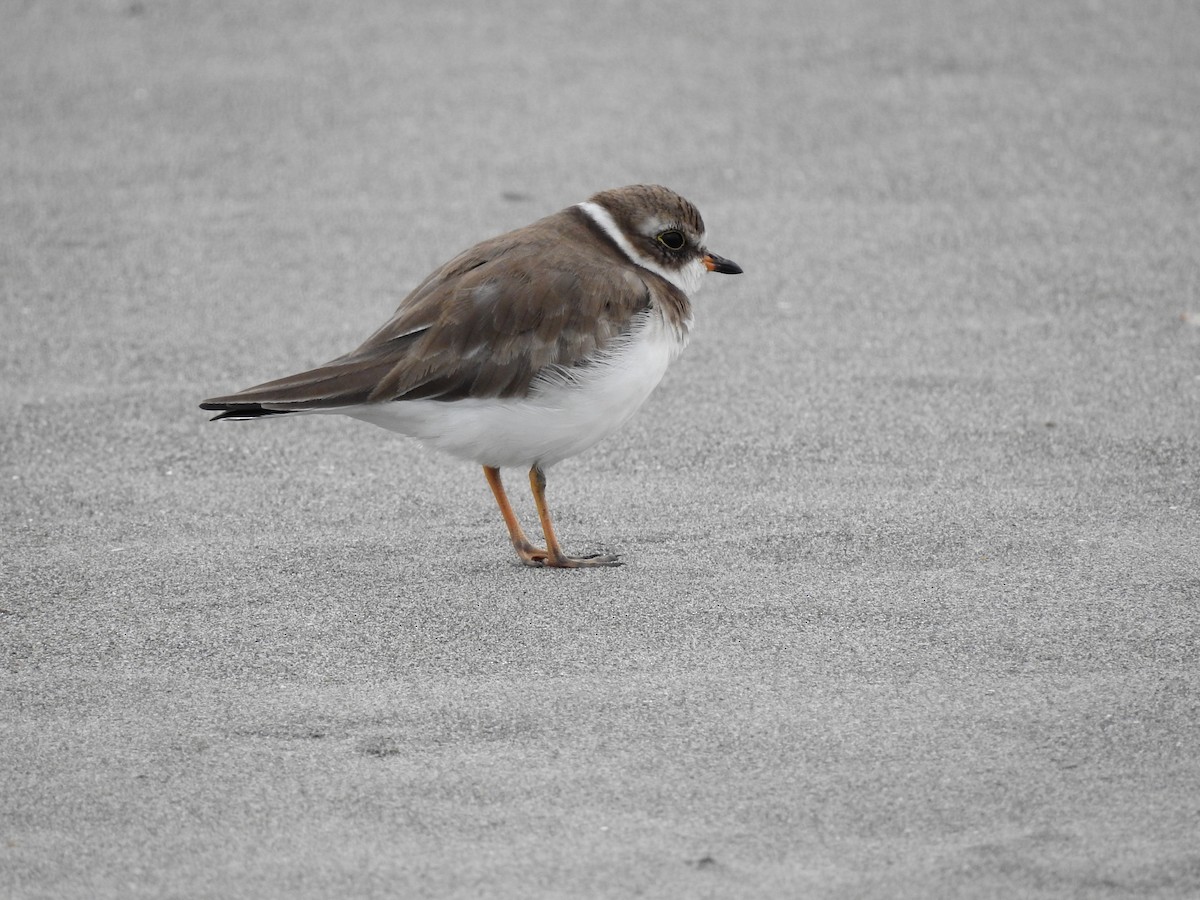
[(911, 530)]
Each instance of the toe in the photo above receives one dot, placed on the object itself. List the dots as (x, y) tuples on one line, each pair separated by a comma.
[(585, 562)]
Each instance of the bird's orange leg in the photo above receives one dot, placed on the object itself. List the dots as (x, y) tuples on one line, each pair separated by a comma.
[(530, 555), (555, 558)]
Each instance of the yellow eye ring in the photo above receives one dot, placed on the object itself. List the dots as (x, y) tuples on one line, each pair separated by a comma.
[(672, 239)]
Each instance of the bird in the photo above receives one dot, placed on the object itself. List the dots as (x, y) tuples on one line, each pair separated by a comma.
[(524, 350)]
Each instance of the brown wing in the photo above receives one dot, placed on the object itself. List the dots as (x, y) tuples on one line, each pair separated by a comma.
[(485, 324)]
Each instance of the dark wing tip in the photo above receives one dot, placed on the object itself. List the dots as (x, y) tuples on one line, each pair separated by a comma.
[(240, 411)]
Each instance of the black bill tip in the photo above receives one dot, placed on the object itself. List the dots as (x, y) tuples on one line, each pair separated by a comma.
[(715, 263)]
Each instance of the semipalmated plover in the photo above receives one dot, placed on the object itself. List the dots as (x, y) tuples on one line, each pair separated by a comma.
[(527, 348)]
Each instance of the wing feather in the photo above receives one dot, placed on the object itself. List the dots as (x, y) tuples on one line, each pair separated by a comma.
[(546, 297)]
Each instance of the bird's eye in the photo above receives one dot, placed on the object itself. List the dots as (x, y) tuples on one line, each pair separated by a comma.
[(672, 240)]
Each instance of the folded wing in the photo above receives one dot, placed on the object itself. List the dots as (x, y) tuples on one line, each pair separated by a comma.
[(484, 325)]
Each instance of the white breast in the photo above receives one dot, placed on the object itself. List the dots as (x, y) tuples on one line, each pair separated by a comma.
[(564, 415)]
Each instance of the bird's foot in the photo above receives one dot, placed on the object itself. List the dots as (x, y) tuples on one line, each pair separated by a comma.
[(593, 560), (546, 559)]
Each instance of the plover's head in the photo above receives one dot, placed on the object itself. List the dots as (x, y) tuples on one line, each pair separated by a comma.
[(660, 231)]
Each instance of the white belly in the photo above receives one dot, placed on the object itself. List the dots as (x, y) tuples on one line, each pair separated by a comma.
[(559, 419)]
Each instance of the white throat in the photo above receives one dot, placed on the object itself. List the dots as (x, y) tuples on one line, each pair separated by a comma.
[(687, 279)]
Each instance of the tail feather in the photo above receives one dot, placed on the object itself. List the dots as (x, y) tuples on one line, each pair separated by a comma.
[(331, 386), (240, 411)]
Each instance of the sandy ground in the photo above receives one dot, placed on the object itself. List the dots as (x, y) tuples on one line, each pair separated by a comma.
[(910, 607)]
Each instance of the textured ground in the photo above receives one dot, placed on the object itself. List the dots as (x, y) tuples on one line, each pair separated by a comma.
[(912, 530)]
